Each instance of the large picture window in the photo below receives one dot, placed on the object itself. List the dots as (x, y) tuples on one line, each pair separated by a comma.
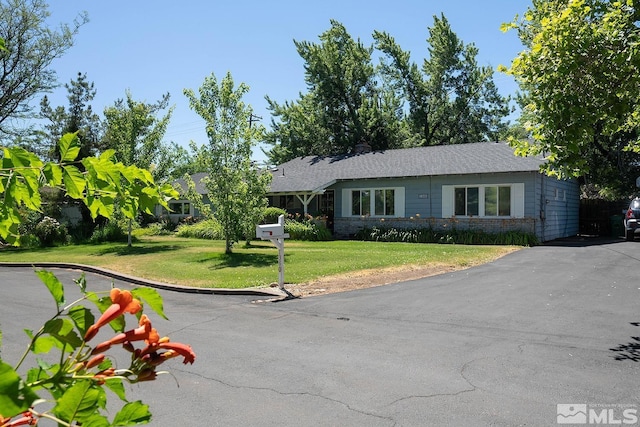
[(503, 200), (377, 202)]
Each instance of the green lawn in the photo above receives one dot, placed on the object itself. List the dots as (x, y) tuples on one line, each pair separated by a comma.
[(203, 263)]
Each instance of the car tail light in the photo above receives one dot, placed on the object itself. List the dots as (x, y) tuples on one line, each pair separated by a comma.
[(630, 214)]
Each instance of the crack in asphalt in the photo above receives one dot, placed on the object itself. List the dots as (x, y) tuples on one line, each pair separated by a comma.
[(284, 393), (457, 393)]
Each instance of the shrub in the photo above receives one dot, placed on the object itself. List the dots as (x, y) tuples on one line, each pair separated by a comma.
[(207, 229), (49, 232), (464, 237), (154, 229), (271, 215), (109, 232), (305, 228)]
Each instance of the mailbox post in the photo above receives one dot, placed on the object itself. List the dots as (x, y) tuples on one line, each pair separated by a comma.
[(275, 233)]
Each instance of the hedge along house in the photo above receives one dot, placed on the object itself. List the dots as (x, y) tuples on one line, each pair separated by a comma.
[(467, 186)]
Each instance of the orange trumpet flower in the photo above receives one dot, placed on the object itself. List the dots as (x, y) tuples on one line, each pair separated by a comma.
[(122, 302), (183, 350), (142, 332)]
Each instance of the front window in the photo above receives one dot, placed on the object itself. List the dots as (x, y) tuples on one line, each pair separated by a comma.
[(466, 201), (482, 201), (377, 202), (384, 202), (180, 208), (497, 201), (361, 202)]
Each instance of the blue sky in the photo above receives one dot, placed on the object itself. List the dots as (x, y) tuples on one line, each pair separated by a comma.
[(154, 47)]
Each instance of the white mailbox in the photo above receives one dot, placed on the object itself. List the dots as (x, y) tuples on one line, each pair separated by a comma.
[(270, 231), (275, 233)]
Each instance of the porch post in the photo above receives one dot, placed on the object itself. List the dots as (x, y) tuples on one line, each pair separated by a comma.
[(305, 199)]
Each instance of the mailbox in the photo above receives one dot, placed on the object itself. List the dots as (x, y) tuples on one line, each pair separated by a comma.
[(275, 233), (269, 231)]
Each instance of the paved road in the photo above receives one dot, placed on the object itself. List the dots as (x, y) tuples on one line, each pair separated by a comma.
[(500, 344)]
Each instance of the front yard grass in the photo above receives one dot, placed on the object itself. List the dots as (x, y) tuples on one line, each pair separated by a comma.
[(203, 263)]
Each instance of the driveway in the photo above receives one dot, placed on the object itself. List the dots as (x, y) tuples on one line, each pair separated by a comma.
[(501, 344)]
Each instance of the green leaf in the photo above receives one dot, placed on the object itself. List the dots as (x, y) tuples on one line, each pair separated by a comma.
[(96, 420), (82, 283), (17, 157), (116, 386), (133, 413), (80, 402), (64, 336), (53, 174), (15, 396), (152, 298), (105, 172), (38, 374), (9, 222), (102, 205), (82, 318), (74, 181), (44, 344), (54, 285), (69, 147), (129, 207)]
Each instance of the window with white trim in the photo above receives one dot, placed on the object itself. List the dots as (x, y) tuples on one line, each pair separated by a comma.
[(377, 202), (180, 208), (502, 200)]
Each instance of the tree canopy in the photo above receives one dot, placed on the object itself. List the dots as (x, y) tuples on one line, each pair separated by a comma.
[(135, 131), (350, 100), (580, 80), (344, 104), (451, 98), (31, 46), (78, 117), (236, 188)]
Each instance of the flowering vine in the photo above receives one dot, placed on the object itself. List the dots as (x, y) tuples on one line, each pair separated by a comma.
[(76, 384)]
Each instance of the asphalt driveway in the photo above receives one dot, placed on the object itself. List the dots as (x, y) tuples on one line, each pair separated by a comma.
[(501, 344)]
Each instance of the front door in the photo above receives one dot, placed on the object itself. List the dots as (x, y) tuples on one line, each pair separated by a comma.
[(326, 207)]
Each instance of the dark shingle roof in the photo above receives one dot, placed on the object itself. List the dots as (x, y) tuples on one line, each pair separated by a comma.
[(314, 173), (197, 180)]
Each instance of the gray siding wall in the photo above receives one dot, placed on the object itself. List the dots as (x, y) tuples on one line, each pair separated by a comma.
[(559, 203), (423, 205)]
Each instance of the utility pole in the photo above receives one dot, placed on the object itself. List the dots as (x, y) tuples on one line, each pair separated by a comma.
[(253, 118)]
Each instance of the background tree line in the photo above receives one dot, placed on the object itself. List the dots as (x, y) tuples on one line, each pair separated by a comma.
[(395, 103)]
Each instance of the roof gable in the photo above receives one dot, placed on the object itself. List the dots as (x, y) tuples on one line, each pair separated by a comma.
[(314, 173)]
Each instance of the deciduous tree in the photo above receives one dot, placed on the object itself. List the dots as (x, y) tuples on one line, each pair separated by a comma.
[(135, 130), (25, 66), (580, 77), (236, 188)]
